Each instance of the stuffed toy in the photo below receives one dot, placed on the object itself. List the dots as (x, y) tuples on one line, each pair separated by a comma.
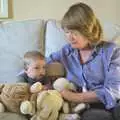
[(70, 110), (36, 87), (48, 103), (12, 95), (45, 106)]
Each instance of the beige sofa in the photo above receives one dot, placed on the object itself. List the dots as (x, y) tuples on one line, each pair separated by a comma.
[(17, 37)]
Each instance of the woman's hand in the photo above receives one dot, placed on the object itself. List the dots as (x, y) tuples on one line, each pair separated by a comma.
[(68, 95)]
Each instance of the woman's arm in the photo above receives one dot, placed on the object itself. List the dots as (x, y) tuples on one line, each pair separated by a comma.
[(54, 57), (109, 94), (86, 97), (58, 55)]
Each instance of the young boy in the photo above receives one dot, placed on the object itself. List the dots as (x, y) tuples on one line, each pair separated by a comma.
[(34, 69)]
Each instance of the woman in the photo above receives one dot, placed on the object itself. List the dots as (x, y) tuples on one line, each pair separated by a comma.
[(90, 63)]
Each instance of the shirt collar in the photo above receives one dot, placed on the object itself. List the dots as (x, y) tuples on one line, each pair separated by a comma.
[(94, 53)]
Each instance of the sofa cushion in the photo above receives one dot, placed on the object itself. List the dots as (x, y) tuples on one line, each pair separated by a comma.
[(112, 32), (54, 40), (16, 38), (54, 37), (11, 116)]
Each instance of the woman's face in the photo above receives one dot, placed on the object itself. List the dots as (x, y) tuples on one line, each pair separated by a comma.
[(76, 39)]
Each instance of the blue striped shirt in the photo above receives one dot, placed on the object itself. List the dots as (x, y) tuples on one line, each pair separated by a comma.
[(101, 72)]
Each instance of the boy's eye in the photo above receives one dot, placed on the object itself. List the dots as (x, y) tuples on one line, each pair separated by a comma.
[(36, 68), (42, 67)]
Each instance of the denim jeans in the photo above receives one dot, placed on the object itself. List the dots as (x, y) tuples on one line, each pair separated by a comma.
[(116, 112)]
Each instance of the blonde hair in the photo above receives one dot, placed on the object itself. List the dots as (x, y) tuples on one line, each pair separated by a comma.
[(81, 17), (30, 57)]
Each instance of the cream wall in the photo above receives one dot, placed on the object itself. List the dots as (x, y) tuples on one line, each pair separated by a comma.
[(106, 10), (118, 12)]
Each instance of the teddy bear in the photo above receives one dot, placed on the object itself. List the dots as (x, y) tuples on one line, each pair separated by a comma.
[(21, 98), (70, 110), (11, 96), (49, 103), (46, 106)]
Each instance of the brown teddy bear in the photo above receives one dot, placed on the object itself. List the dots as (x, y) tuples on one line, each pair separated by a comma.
[(49, 103), (12, 95), (17, 98)]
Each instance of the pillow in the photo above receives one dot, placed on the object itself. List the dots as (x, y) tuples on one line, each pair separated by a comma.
[(111, 32), (54, 37), (11, 116)]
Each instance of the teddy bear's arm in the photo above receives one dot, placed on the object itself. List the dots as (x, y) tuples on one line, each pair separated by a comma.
[(40, 98)]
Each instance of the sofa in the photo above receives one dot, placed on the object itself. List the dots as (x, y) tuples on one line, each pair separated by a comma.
[(18, 37)]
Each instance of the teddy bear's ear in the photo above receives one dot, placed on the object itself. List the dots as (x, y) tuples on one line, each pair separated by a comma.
[(26, 107)]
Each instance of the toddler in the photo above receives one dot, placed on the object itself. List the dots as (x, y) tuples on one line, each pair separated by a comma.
[(34, 69)]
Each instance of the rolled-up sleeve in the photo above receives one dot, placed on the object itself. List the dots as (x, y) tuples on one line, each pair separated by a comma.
[(54, 57), (110, 92)]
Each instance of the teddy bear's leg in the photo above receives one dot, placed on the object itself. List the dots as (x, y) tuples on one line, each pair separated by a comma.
[(64, 116), (79, 107), (36, 117), (41, 115), (26, 107), (45, 112), (2, 108), (66, 107), (40, 98), (53, 115)]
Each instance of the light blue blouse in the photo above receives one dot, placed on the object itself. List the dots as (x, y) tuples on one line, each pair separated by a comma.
[(101, 73)]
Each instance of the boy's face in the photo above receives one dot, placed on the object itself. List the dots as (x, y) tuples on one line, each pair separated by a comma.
[(36, 69)]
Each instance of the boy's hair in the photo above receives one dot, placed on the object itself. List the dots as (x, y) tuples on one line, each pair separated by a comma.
[(31, 56), (81, 17)]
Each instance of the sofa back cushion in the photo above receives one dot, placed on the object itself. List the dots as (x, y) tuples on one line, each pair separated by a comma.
[(16, 38), (54, 40), (54, 37)]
